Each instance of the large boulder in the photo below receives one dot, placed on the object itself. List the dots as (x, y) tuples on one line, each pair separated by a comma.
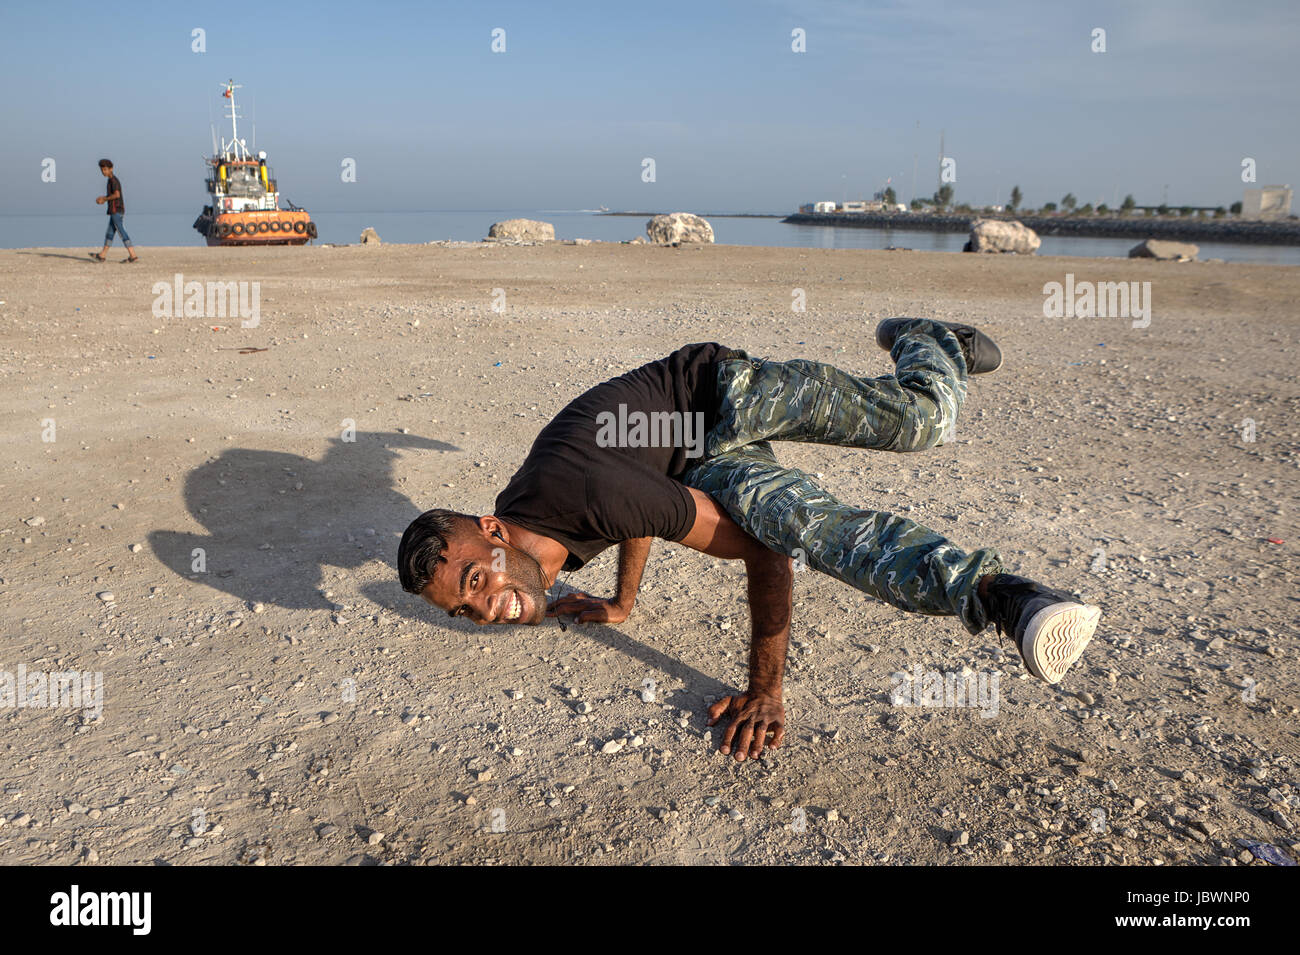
[(1164, 249), (369, 236), (678, 227), (1000, 235), (525, 230)]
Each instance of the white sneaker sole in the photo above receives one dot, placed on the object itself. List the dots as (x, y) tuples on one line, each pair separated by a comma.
[(1056, 637)]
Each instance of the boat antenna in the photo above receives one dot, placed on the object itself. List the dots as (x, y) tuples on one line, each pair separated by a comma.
[(235, 145)]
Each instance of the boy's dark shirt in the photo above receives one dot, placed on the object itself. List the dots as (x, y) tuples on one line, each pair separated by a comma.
[(115, 206), (589, 497)]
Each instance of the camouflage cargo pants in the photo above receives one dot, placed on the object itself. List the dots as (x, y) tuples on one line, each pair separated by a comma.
[(887, 556)]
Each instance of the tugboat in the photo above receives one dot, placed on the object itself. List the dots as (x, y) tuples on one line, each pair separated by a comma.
[(246, 208)]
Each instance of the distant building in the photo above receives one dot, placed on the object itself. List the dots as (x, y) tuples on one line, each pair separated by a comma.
[(1267, 202), (824, 206), (861, 205)]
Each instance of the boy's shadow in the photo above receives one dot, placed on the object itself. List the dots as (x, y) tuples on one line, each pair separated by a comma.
[(275, 520)]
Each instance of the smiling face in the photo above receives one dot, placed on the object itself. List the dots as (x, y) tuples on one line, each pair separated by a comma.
[(484, 579)]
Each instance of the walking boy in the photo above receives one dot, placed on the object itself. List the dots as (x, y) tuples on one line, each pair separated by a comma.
[(116, 208)]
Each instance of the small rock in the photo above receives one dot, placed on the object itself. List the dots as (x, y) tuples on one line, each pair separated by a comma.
[(522, 229), (374, 838), (584, 707), (735, 815), (1164, 249), (960, 838), (106, 596), (328, 718), (613, 746)]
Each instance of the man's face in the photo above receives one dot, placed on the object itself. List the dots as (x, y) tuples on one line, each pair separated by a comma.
[(106, 170), (484, 579)]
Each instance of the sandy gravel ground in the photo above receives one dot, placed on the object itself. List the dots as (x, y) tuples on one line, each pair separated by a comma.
[(287, 703)]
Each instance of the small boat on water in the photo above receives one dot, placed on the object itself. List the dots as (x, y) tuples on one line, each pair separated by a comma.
[(245, 207)]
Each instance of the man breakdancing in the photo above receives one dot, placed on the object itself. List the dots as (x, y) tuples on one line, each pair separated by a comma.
[(680, 449)]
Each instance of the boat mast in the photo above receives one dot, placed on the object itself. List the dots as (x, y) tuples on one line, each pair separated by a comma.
[(235, 145)]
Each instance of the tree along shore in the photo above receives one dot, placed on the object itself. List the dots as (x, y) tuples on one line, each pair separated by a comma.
[(1280, 232)]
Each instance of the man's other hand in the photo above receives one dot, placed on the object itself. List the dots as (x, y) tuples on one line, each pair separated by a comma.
[(753, 717), (585, 608)]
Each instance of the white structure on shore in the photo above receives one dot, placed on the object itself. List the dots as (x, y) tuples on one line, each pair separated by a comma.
[(1267, 202), (851, 206)]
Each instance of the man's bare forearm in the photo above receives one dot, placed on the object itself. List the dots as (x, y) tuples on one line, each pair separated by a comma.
[(632, 556), (770, 579)]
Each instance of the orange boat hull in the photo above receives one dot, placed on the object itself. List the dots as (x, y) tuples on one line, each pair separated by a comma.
[(279, 227)]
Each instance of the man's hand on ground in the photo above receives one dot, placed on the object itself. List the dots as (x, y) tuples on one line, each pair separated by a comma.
[(753, 717), (585, 608)]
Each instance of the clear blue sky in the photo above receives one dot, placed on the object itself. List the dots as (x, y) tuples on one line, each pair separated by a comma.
[(710, 89)]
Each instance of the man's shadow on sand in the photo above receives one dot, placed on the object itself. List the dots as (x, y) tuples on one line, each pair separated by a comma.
[(269, 540), (275, 521)]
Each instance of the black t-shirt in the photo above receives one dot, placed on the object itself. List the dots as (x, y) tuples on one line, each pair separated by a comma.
[(603, 471), (115, 206)]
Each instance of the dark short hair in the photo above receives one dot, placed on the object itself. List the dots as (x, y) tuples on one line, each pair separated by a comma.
[(422, 545), (106, 163)]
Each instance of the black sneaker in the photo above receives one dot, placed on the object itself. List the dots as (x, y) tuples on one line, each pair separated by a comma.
[(1049, 627), (981, 353)]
